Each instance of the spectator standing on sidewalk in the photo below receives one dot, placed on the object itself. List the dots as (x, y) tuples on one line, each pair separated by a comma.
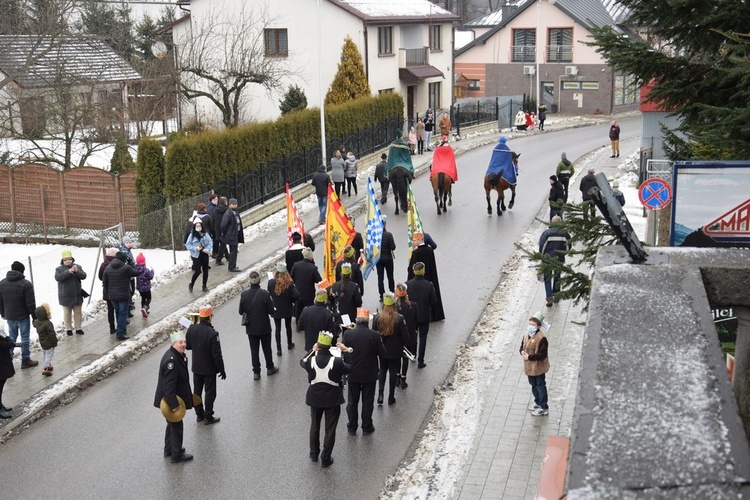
[(553, 243), (445, 125), (17, 303), (232, 234), (199, 245), (564, 172), (542, 116), (47, 337), (116, 281), (110, 255), (382, 178), (429, 125), (338, 173), (350, 174), (588, 181), (143, 283), (618, 194), (320, 181), (69, 276), (536, 363), (614, 137), (6, 370), (218, 216), (556, 196), (420, 136)]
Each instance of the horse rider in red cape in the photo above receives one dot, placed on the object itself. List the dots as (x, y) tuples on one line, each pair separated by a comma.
[(501, 162), (444, 161)]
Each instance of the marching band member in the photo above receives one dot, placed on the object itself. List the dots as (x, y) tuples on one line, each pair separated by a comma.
[(392, 328)]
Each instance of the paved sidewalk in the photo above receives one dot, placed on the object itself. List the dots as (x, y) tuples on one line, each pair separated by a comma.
[(508, 451), (83, 360)]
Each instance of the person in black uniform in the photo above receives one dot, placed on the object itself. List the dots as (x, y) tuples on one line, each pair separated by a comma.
[(174, 381), (385, 263), (257, 306), (424, 253), (367, 346), (410, 311), (305, 275), (346, 295), (203, 340), (324, 395), (422, 293), (358, 243), (392, 328), (294, 252), (316, 318), (350, 257)]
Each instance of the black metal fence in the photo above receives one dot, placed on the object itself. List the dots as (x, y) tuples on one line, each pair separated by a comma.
[(254, 186), (500, 110)]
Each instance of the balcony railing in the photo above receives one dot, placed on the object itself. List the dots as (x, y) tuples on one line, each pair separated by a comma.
[(559, 53), (523, 53), (415, 57)]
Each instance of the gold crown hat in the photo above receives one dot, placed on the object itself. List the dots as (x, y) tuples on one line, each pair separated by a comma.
[(363, 313), (388, 299), (173, 416), (321, 295), (349, 251), (346, 268), (325, 338), (206, 311), (67, 254)]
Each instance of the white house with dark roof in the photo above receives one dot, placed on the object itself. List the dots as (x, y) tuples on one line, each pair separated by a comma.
[(406, 47), (38, 71), (547, 36)]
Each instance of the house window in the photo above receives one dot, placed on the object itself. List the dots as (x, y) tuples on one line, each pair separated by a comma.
[(276, 43), (385, 91), (385, 41), (626, 91), (560, 48), (435, 40), (473, 84), (524, 45), (434, 95)]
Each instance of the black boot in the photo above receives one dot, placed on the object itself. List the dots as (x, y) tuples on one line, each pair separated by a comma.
[(380, 399)]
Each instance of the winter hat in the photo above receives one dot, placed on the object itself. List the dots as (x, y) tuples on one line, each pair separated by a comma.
[(176, 335), (538, 316), (254, 278), (17, 266), (233, 201), (197, 221), (346, 269), (325, 339), (321, 295), (307, 253), (205, 311), (418, 268), (67, 254), (322, 168), (401, 290), (503, 140), (280, 268), (121, 256), (127, 239), (383, 156), (388, 299), (111, 252), (616, 184), (141, 259), (348, 251), (553, 178), (564, 156)]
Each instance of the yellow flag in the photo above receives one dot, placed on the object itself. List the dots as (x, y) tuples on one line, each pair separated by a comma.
[(339, 233)]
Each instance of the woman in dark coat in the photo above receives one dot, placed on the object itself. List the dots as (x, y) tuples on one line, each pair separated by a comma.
[(393, 331), (409, 311), (6, 370), (283, 294), (69, 276)]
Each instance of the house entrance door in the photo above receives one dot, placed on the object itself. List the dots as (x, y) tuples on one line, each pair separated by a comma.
[(548, 94), (411, 113)]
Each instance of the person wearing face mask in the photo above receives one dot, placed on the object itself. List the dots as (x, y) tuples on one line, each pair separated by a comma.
[(536, 363), (199, 244)]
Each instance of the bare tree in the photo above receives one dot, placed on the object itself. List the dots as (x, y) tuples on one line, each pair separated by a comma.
[(224, 54)]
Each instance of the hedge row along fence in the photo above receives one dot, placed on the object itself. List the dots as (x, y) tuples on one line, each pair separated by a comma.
[(211, 158)]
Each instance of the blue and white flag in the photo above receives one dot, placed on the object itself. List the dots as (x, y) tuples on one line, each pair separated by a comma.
[(373, 231)]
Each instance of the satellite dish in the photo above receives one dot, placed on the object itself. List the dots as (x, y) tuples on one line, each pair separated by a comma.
[(159, 49)]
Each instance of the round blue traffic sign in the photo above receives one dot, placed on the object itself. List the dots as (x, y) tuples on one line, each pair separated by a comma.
[(655, 194)]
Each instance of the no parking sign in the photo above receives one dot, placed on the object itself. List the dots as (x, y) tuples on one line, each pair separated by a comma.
[(655, 194)]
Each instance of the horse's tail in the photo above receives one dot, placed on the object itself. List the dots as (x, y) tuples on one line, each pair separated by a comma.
[(441, 184)]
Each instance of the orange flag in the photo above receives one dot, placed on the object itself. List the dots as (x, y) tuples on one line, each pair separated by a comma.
[(293, 222), (339, 233)]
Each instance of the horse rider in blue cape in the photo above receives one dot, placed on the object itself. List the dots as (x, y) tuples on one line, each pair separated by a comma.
[(501, 163)]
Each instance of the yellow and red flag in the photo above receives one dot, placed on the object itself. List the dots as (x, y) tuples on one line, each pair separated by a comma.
[(339, 233), (293, 222)]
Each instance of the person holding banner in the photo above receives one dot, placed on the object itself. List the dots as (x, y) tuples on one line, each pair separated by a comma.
[(385, 264), (426, 255)]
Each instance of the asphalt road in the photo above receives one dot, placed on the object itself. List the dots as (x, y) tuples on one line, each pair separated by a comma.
[(108, 442)]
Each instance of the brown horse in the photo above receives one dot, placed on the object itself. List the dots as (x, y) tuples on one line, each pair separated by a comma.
[(496, 182), (442, 187)]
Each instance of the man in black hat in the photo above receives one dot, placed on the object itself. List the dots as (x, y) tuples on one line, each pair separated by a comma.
[(294, 252), (382, 178), (556, 196), (256, 305), (232, 234), (174, 382), (116, 281), (17, 303), (203, 340)]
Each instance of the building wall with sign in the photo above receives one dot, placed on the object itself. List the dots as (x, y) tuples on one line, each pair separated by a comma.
[(711, 204)]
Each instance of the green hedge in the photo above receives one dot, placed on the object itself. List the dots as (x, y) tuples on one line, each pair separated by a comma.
[(210, 156)]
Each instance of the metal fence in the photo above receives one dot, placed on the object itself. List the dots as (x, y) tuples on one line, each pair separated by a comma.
[(500, 110)]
